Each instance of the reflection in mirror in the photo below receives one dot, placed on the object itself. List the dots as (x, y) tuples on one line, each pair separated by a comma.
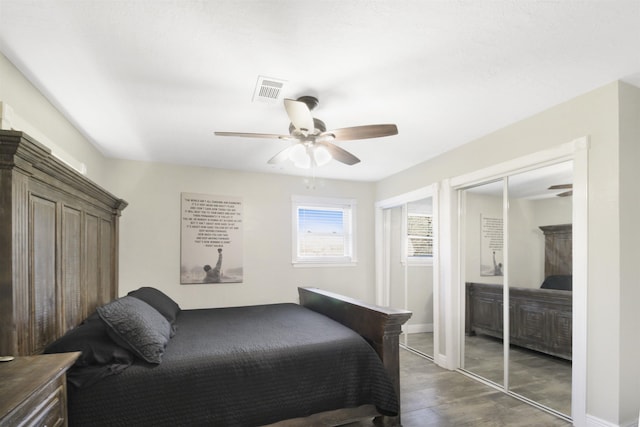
[(409, 261), (393, 255), (483, 269), (537, 270), (418, 261), (539, 278)]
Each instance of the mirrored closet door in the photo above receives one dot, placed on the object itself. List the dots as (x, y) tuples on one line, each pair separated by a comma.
[(517, 247), (540, 298), (409, 269), (484, 277)]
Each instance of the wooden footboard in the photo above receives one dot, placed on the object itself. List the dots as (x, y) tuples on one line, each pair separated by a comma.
[(541, 319), (380, 326)]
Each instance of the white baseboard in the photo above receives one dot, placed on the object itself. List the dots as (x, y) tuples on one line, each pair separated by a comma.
[(417, 328), (442, 361), (597, 422)]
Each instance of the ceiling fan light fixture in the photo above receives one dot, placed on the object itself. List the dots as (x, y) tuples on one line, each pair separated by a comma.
[(299, 156), (321, 155)]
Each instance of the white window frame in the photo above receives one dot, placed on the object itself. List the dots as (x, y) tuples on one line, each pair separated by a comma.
[(346, 205)]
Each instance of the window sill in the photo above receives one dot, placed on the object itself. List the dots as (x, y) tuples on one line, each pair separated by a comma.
[(324, 264), (426, 262)]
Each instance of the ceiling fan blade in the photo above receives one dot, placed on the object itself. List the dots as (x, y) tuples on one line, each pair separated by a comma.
[(299, 114), (565, 194), (363, 132), (281, 156), (560, 186), (339, 154), (254, 135)]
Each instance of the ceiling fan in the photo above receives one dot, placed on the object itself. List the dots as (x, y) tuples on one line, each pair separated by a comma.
[(313, 144), (568, 187)]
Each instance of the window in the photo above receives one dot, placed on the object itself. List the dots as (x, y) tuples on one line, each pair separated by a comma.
[(418, 232), (323, 231), (419, 236)]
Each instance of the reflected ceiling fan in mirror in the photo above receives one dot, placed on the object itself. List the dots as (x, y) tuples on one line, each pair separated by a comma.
[(568, 187), (314, 145)]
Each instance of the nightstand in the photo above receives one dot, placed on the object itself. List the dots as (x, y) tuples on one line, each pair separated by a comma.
[(33, 390)]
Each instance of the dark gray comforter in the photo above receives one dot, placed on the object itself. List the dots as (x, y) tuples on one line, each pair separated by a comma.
[(241, 366)]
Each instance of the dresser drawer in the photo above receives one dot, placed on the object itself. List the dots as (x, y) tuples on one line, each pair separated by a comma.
[(49, 412), (33, 391), (45, 407)]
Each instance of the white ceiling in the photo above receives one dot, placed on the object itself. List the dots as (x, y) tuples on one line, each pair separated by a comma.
[(152, 79), (530, 185)]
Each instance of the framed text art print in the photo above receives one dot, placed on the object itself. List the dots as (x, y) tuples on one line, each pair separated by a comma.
[(211, 239), (491, 256)]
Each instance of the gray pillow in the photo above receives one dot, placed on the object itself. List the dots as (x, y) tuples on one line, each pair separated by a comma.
[(559, 282), (135, 325), (158, 300)]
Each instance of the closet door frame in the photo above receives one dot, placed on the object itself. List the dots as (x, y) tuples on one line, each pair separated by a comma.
[(383, 285), (451, 254)]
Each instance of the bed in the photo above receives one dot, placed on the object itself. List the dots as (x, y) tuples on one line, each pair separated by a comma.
[(540, 318), (61, 278), (236, 366)]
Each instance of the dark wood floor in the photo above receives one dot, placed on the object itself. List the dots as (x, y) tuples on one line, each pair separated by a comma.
[(432, 396), (536, 376)]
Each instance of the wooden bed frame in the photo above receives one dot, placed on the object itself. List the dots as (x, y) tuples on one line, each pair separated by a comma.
[(59, 261), (58, 246), (380, 326), (540, 319)]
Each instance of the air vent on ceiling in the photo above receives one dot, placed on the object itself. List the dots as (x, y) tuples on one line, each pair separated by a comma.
[(268, 90)]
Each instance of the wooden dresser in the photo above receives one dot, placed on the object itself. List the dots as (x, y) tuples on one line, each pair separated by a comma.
[(33, 390)]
